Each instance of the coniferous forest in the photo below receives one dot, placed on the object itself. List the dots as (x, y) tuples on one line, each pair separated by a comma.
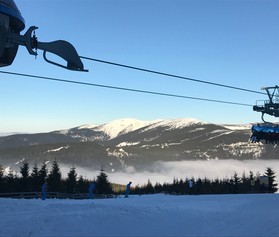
[(31, 180)]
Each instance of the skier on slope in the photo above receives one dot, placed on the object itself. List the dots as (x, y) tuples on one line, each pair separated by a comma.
[(190, 185), (128, 188), (91, 190), (44, 190)]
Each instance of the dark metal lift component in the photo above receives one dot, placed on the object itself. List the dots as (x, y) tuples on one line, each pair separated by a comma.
[(10, 20), (268, 132), (11, 23), (60, 48), (270, 106)]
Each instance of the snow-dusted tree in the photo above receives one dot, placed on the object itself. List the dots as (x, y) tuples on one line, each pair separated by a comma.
[(272, 185), (54, 178), (103, 185)]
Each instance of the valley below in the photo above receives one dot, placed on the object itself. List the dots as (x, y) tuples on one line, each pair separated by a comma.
[(127, 147)]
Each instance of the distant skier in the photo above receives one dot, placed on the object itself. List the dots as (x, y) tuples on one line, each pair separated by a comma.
[(44, 190), (128, 188), (91, 190), (190, 185)]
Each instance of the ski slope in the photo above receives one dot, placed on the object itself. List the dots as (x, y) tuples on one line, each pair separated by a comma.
[(147, 215)]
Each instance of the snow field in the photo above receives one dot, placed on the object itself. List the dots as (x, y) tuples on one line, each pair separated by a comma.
[(147, 215)]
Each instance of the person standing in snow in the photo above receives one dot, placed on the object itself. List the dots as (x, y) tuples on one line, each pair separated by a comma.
[(44, 190), (190, 184), (128, 188), (91, 190)]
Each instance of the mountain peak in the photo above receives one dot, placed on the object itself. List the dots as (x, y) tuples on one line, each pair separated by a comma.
[(120, 126)]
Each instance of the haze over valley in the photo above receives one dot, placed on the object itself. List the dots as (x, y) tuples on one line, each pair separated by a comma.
[(155, 150)]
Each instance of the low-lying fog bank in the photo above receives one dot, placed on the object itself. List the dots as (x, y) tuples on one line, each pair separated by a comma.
[(165, 171)]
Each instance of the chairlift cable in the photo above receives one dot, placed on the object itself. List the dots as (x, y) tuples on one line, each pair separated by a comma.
[(171, 75), (122, 88)]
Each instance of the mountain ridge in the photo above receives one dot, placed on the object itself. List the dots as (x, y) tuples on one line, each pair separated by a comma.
[(130, 144)]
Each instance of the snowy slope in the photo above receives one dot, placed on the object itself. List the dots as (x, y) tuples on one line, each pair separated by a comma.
[(238, 126), (172, 123), (104, 132), (150, 215), (121, 126), (87, 126)]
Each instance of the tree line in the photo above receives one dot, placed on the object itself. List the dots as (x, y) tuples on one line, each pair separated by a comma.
[(235, 185), (32, 180)]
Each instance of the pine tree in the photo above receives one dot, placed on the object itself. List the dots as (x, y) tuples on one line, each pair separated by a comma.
[(82, 185), (245, 186), (206, 186), (236, 182), (71, 181), (252, 180), (42, 174), (198, 186), (24, 170), (55, 178), (272, 186), (136, 190), (35, 179), (215, 186), (103, 185), (257, 187), (1, 172), (11, 182), (174, 187), (148, 188), (1, 179), (24, 181), (158, 187)]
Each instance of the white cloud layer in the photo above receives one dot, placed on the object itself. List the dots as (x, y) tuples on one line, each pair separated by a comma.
[(165, 171)]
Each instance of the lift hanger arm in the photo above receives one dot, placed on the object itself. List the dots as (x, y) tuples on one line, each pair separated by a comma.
[(61, 48)]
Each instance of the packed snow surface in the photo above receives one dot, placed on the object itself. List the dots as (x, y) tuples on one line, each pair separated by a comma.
[(148, 215)]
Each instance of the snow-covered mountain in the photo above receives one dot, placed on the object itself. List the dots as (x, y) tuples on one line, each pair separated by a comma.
[(120, 127), (126, 143), (107, 131), (92, 132)]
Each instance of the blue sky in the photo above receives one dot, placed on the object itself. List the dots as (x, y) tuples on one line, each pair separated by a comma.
[(232, 42)]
